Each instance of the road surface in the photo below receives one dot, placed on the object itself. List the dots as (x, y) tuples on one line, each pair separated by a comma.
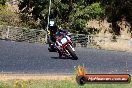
[(21, 57)]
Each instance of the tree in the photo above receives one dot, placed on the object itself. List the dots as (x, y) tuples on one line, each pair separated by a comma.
[(2, 2), (116, 10), (71, 14), (8, 17)]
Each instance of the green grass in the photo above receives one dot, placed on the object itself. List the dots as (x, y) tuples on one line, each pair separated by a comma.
[(57, 84)]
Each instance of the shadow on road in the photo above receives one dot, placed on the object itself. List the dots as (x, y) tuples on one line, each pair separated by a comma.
[(64, 58)]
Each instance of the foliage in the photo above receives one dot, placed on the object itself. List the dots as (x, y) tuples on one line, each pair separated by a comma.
[(57, 84), (32, 11), (81, 16), (8, 17), (116, 10), (71, 14), (4, 85), (2, 2)]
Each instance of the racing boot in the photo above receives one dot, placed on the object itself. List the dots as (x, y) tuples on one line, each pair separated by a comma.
[(51, 48), (60, 54)]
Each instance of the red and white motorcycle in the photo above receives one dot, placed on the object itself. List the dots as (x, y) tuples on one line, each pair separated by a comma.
[(65, 45)]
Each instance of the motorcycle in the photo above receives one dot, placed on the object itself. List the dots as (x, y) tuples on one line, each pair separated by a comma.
[(65, 45)]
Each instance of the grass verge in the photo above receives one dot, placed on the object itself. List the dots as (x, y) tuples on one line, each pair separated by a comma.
[(56, 84)]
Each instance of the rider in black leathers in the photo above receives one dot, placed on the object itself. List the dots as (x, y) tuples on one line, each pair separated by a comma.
[(51, 34), (53, 31)]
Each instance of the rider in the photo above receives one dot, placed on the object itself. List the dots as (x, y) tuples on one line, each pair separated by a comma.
[(52, 33)]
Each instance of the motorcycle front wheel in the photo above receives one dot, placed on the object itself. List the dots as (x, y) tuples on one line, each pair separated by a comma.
[(72, 53)]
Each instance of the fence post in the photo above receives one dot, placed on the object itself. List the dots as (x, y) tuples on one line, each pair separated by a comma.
[(88, 40), (7, 33)]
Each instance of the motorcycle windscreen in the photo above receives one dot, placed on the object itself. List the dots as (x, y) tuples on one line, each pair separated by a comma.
[(62, 41)]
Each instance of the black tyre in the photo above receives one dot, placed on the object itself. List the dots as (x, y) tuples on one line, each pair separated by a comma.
[(72, 53), (81, 80)]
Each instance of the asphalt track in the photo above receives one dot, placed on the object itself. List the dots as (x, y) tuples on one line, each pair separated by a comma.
[(21, 57)]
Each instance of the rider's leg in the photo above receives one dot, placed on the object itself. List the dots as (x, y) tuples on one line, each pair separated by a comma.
[(51, 45), (59, 51)]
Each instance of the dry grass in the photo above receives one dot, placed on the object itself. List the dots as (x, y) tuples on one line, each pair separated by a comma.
[(25, 77), (119, 45), (106, 43)]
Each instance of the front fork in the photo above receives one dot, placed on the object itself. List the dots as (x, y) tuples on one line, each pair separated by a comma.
[(65, 51)]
